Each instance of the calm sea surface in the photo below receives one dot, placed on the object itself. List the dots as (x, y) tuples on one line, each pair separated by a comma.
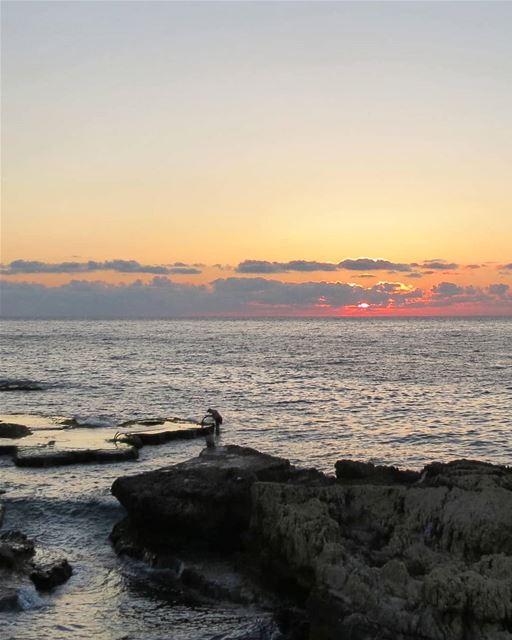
[(402, 392), (399, 391)]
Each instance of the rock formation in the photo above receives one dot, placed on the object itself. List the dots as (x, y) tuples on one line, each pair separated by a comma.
[(432, 560), (376, 553), (13, 430), (19, 563)]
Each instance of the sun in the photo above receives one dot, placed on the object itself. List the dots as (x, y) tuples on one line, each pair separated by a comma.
[(363, 305)]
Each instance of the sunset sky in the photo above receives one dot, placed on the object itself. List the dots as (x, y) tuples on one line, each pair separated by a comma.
[(256, 158)]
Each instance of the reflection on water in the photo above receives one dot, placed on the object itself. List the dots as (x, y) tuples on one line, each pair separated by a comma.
[(399, 391), (396, 391)]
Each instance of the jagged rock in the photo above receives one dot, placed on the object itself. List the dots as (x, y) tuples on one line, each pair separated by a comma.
[(471, 475), (45, 456), (12, 430), (17, 558), (378, 553), (355, 470), (50, 574), (410, 562), (15, 550)]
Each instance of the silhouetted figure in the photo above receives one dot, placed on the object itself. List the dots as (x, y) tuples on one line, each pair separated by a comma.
[(211, 419), (217, 418)]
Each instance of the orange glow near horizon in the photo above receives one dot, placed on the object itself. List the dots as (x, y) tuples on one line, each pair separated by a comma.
[(221, 138)]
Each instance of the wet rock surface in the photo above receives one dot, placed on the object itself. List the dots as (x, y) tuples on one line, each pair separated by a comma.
[(20, 562), (56, 441), (49, 456), (205, 500), (50, 574), (9, 384), (8, 599), (13, 430), (163, 435), (376, 553)]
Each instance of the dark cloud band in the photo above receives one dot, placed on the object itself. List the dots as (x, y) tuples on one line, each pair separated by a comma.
[(121, 266), (242, 296)]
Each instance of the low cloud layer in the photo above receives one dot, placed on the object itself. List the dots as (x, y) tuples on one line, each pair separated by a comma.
[(440, 265), (349, 264), (163, 297), (370, 264), (121, 266), (264, 266)]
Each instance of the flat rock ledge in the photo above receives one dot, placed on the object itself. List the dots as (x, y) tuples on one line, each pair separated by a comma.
[(375, 553), (71, 441), (48, 457)]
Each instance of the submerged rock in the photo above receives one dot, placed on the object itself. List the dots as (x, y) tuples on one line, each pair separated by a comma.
[(50, 574), (8, 384), (19, 561), (15, 550), (9, 600), (12, 430)]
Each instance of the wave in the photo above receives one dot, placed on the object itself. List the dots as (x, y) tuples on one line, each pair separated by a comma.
[(91, 421), (29, 598)]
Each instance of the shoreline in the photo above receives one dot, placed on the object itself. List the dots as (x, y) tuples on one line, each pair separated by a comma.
[(370, 551), (376, 552)]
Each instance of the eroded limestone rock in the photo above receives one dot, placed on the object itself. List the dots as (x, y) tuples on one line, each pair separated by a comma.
[(426, 561)]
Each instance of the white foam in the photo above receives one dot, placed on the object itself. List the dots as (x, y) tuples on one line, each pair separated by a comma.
[(93, 421), (28, 598)]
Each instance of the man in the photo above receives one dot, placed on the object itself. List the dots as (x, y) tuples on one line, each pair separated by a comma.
[(212, 419)]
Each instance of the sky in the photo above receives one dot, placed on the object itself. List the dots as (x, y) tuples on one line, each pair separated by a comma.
[(256, 158)]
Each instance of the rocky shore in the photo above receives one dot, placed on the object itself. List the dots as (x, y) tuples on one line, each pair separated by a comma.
[(21, 562), (372, 552), (57, 441)]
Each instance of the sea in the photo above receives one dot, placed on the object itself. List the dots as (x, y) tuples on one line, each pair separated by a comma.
[(395, 391)]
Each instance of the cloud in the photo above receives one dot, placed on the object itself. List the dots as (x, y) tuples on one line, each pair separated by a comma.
[(499, 289), (506, 267), (240, 296), (371, 264), (447, 289), (495, 295), (120, 266), (264, 266), (440, 265), (349, 264), (163, 297)]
